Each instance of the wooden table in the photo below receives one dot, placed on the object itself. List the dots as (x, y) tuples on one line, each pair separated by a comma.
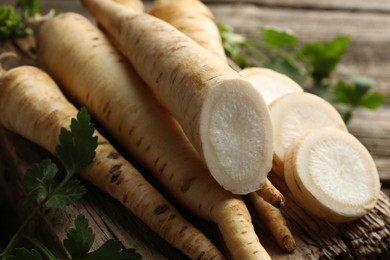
[(368, 25)]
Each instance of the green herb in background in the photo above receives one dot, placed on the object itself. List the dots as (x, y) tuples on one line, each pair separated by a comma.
[(11, 24), (310, 64), (13, 21), (75, 151), (29, 7)]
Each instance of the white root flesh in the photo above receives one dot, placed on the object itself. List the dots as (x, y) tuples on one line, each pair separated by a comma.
[(271, 84), (294, 114), (332, 175)]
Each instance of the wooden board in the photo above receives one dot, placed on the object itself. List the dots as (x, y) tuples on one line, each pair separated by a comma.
[(368, 25)]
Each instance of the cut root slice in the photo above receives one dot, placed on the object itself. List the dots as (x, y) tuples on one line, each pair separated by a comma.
[(332, 175), (271, 84), (236, 134), (294, 114)]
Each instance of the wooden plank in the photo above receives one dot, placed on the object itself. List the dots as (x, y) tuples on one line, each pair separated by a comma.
[(369, 33), (378, 6)]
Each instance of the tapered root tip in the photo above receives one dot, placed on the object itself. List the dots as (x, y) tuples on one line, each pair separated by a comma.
[(236, 136)]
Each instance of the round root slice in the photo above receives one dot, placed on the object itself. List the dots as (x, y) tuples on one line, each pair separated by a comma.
[(236, 133), (332, 175), (296, 113), (270, 83)]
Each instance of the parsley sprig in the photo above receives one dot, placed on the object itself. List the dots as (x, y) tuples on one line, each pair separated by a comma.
[(13, 21), (75, 151), (310, 64)]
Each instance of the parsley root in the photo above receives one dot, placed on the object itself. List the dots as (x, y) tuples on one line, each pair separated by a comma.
[(295, 113), (271, 84), (42, 110), (223, 115), (126, 107), (271, 194), (194, 19), (332, 175), (275, 222)]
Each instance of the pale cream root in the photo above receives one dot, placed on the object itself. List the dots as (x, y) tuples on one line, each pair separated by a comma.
[(42, 110), (295, 113), (332, 175), (275, 222), (125, 106), (136, 5), (271, 194), (194, 19), (271, 84), (216, 107)]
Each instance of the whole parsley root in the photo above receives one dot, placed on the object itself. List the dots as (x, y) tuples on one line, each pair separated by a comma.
[(42, 110), (222, 114), (126, 107), (194, 19), (275, 222), (136, 5)]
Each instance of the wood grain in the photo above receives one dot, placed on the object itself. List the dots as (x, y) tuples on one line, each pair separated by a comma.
[(366, 22)]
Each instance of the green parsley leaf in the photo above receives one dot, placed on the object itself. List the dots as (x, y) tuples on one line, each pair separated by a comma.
[(373, 100), (345, 92), (323, 57), (357, 94), (79, 240), (66, 195), (77, 145), (285, 67), (29, 7), (232, 43), (113, 250), (38, 179), (362, 84), (23, 254), (11, 25), (277, 38)]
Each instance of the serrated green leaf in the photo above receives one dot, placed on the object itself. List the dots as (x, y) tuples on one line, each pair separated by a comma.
[(323, 57), (66, 195), (113, 250), (373, 100), (79, 240), (277, 38), (77, 145), (25, 254), (38, 179)]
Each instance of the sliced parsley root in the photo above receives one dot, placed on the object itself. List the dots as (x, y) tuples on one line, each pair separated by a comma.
[(222, 114), (270, 84), (295, 113), (332, 175), (43, 112), (126, 107)]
